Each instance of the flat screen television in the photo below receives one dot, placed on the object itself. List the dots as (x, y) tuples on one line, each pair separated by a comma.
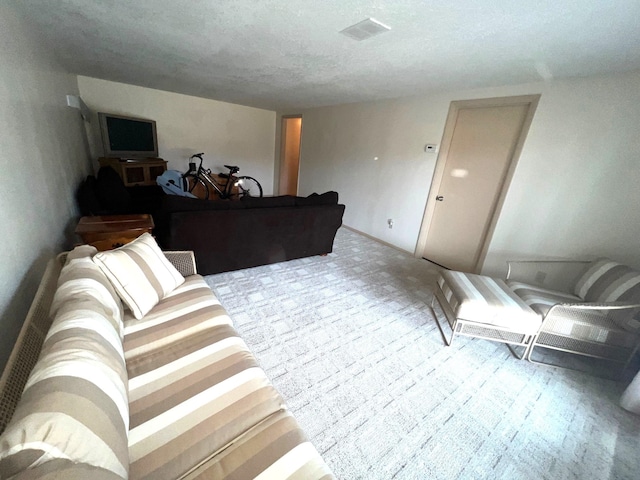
[(128, 137)]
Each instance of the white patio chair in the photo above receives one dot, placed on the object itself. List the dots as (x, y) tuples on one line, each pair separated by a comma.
[(588, 308)]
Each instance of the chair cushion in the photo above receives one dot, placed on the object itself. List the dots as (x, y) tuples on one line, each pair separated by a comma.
[(482, 299), (541, 299), (140, 273), (609, 281)]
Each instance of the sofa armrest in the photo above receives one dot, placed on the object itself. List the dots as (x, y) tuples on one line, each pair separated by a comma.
[(184, 261), (560, 275), (26, 350)]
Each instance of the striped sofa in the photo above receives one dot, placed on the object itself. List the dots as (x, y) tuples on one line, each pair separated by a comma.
[(175, 394)]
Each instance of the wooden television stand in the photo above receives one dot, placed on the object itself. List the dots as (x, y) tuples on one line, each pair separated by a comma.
[(143, 171)]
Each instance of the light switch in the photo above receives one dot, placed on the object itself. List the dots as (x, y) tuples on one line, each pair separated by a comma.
[(431, 148)]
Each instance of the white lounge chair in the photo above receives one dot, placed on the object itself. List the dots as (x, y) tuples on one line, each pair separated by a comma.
[(587, 308)]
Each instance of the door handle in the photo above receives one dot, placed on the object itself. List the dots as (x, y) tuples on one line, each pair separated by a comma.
[(439, 198)]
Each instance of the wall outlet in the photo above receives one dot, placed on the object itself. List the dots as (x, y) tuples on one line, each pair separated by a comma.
[(390, 222)]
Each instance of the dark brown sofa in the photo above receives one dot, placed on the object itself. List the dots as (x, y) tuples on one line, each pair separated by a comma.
[(230, 235)]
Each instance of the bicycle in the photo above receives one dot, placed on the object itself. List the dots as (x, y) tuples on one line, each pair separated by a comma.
[(246, 186)]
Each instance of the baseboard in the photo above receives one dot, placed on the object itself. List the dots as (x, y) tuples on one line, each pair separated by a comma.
[(371, 237)]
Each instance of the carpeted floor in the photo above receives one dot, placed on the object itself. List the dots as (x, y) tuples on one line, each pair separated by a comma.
[(350, 343)]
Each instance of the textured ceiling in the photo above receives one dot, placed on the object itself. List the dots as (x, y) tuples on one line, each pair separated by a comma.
[(284, 54)]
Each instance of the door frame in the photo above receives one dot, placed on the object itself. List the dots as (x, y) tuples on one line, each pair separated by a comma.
[(283, 139), (438, 174)]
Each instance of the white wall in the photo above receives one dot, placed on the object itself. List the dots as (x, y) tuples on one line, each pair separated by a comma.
[(574, 193), (43, 157), (227, 133), (339, 147)]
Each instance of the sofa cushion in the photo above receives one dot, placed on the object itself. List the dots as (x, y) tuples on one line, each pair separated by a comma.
[(194, 386), (609, 281), (180, 315), (74, 406), (176, 203), (62, 469), (327, 198), (269, 202), (276, 448), (140, 273), (81, 277)]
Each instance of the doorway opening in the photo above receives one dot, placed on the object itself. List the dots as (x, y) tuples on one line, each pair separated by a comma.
[(290, 154)]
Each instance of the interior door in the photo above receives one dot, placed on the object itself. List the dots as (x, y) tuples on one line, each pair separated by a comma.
[(483, 141)]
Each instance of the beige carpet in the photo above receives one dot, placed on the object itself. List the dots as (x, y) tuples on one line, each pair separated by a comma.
[(350, 343)]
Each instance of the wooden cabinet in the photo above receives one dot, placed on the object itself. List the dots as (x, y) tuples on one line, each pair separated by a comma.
[(112, 231), (136, 172)]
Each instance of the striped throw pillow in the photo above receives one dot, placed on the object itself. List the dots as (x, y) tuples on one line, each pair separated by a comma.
[(75, 404), (140, 273), (81, 277), (609, 281)]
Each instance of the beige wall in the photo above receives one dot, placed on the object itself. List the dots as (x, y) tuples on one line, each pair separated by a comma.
[(577, 187), (227, 133), (373, 155), (574, 193), (42, 160)]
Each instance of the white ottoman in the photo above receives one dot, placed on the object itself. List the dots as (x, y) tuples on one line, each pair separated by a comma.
[(484, 307)]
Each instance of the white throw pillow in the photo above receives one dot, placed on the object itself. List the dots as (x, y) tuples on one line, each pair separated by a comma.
[(140, 273)]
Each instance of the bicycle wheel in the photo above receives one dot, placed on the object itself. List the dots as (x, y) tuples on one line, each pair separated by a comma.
[(248, 187), (195, 185)]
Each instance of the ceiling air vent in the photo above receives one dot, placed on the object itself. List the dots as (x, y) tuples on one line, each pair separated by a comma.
[(365, 29)]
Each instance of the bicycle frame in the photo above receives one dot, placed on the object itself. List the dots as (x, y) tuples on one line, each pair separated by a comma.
[(224, 191)]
